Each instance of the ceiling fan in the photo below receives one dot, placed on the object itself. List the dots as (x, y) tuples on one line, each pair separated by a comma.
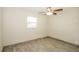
[(50, 11)]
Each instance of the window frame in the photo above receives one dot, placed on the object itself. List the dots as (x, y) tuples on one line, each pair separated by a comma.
[(30, 22)]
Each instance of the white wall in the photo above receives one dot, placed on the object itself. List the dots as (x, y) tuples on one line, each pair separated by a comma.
[(0, 29), (65, 26), (15, 29)]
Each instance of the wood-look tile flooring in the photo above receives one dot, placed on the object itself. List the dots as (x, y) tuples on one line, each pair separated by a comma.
[(42, 45)]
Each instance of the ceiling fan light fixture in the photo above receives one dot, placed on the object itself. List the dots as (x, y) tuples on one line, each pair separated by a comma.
[(49, 13)]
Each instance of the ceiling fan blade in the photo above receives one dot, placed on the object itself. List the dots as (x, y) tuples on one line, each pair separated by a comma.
[(58, 10), (54, 13)]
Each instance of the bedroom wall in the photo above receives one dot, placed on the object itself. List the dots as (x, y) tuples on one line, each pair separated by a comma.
[(0, 29), (15, 26), (65, 26)]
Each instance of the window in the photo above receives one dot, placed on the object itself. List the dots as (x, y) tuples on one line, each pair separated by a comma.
[(31, 22)]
